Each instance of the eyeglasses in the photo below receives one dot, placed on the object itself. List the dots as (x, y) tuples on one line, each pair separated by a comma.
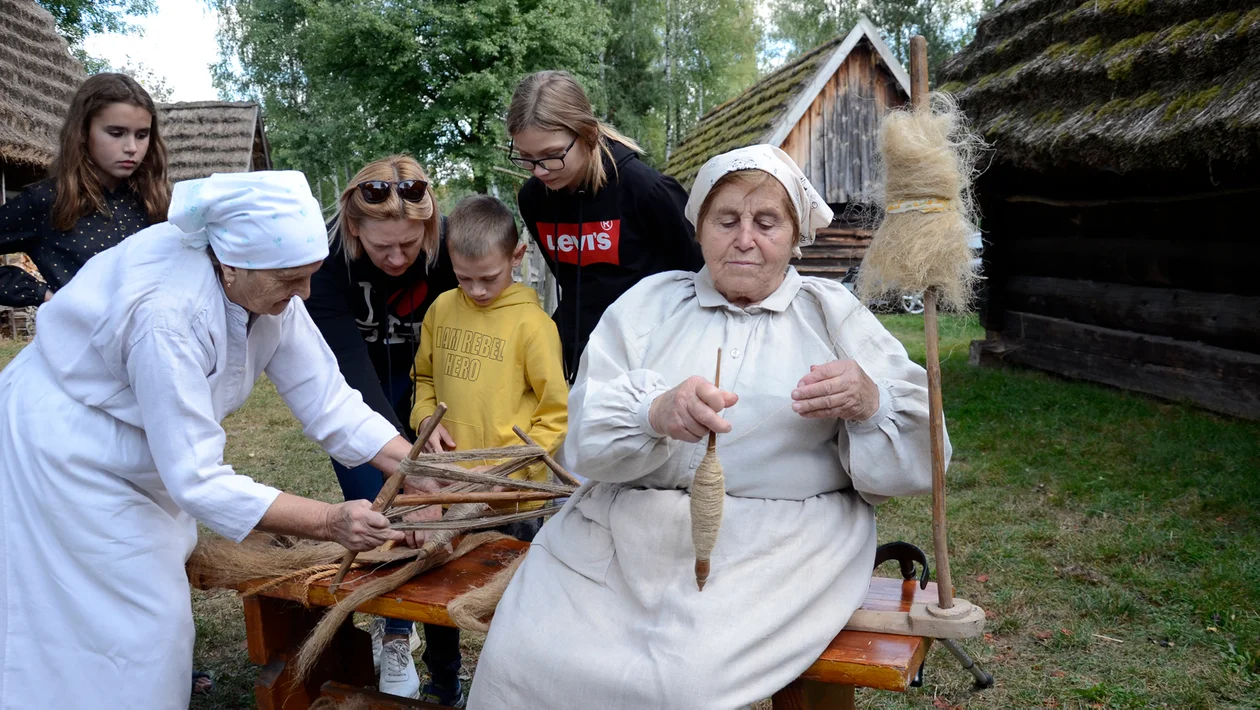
[(377, 191), (550, 163)]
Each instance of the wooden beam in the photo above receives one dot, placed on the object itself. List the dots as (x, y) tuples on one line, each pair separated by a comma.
[(1214, 266), (1222, 380), (1222, 319)]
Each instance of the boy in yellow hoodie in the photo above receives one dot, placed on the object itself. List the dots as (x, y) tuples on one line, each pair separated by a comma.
[(492, 354), (487, 349)]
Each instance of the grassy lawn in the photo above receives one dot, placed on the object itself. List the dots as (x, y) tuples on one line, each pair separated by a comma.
[(1115, 539)]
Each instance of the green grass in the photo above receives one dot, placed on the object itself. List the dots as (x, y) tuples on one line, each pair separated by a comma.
[(1075, 512)]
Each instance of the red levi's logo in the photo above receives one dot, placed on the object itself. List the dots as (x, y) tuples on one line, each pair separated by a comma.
[(600, 242)]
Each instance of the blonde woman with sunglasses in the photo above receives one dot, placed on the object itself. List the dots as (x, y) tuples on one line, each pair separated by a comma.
[(387, 263)]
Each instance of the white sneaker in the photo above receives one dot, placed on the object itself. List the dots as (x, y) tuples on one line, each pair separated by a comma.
[(398, 671), (377, 628)]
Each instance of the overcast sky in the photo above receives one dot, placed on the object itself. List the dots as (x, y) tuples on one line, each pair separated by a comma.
[(177, 45)]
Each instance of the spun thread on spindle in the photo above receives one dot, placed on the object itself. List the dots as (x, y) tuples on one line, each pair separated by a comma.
[(708, 495)]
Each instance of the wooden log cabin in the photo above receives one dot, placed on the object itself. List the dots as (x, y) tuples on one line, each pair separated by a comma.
[(1119, 207), (823, 109)]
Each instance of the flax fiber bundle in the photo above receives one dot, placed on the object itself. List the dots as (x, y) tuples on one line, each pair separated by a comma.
[(927, 164), (218, 562), (473, 609), (432, 554)]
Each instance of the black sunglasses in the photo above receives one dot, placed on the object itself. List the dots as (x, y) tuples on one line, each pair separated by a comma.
[(550, 163), (377, 191)]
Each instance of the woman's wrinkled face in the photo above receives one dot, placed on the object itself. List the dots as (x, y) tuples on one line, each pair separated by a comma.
[(538, 144), (747, 238), (268, 291), (117, 141), (393, 245)]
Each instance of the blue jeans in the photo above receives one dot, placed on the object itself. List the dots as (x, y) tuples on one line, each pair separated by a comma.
[(365, 481)]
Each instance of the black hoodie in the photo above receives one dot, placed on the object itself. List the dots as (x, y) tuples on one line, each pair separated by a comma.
[(632, 228), (371, 321)]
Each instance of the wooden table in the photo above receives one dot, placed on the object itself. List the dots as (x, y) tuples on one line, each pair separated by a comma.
[(277, 622)]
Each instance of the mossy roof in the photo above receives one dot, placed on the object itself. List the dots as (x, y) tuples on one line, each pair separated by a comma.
[(751, 117), (38, 77), (207, 137), (1114, 85)]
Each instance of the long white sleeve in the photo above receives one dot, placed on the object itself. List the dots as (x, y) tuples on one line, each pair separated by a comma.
[(185, 439), (332, 413), (609, 436), (889, 454)]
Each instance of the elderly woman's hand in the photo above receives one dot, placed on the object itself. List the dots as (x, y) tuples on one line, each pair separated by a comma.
[(357, 527), (690, 411), (840, 389)]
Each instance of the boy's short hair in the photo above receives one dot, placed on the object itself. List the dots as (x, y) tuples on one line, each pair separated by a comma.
[(480, 225)]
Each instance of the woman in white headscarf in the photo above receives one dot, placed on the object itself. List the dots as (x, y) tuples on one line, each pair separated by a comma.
[(111, 445), (821, 416)]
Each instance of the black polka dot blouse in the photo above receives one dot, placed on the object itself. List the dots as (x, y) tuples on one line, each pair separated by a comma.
[(26, 226)]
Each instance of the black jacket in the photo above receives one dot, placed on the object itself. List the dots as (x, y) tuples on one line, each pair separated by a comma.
[(634, 227), (371, 321), (26, 226)]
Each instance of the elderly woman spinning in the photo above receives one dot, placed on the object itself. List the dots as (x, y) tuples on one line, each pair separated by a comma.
[(821, 416), (112, 448)]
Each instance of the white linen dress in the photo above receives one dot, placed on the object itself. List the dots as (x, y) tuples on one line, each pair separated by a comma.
[(111, 448), (604, 612)]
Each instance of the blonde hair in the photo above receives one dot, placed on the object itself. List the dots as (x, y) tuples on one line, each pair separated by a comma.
[(750, 181), (481, 225), (554, 101), (352, 209)]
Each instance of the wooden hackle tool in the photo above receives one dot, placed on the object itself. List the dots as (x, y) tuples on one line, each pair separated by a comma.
[(390, 490)]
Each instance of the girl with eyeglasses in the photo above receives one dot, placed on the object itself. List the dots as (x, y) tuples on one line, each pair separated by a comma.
[(387, 263), (107, 183), (603, 219)]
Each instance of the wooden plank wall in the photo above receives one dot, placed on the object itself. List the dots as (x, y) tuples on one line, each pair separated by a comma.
[(1160, 297), (834, 143)]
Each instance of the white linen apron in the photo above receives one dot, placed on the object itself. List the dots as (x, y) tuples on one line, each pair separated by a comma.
[(111, 448), (604, 612)]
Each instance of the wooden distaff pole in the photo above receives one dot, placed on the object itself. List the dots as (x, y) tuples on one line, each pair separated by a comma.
[(390, 490), (936, 417)]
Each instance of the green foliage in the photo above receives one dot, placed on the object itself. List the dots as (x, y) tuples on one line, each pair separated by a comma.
[(343, 82), (948, 25), (347, 82), (76, 19)]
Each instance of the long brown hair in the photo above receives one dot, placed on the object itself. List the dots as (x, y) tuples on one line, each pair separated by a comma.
[(78, 186), (554, 101), (352, 209)]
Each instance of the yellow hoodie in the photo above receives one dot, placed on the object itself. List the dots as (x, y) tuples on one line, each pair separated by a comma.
[(495, 367)]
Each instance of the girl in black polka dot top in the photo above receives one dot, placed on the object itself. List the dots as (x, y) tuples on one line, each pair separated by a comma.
[(108, 182)]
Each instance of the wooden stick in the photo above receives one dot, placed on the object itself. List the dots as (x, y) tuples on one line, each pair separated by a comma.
[(936, 417), (493, 477), (389, 491), (556, 468), (473, 497)]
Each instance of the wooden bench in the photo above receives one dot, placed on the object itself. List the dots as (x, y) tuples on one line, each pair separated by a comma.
[(277, 622)]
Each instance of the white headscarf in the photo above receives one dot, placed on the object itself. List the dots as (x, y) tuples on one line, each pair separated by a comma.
[(260, 220), (811, 210)]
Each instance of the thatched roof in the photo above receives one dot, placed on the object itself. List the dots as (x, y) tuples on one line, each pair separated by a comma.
[(767, 111), (1114, 85), (37, 79), (206, 137)]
